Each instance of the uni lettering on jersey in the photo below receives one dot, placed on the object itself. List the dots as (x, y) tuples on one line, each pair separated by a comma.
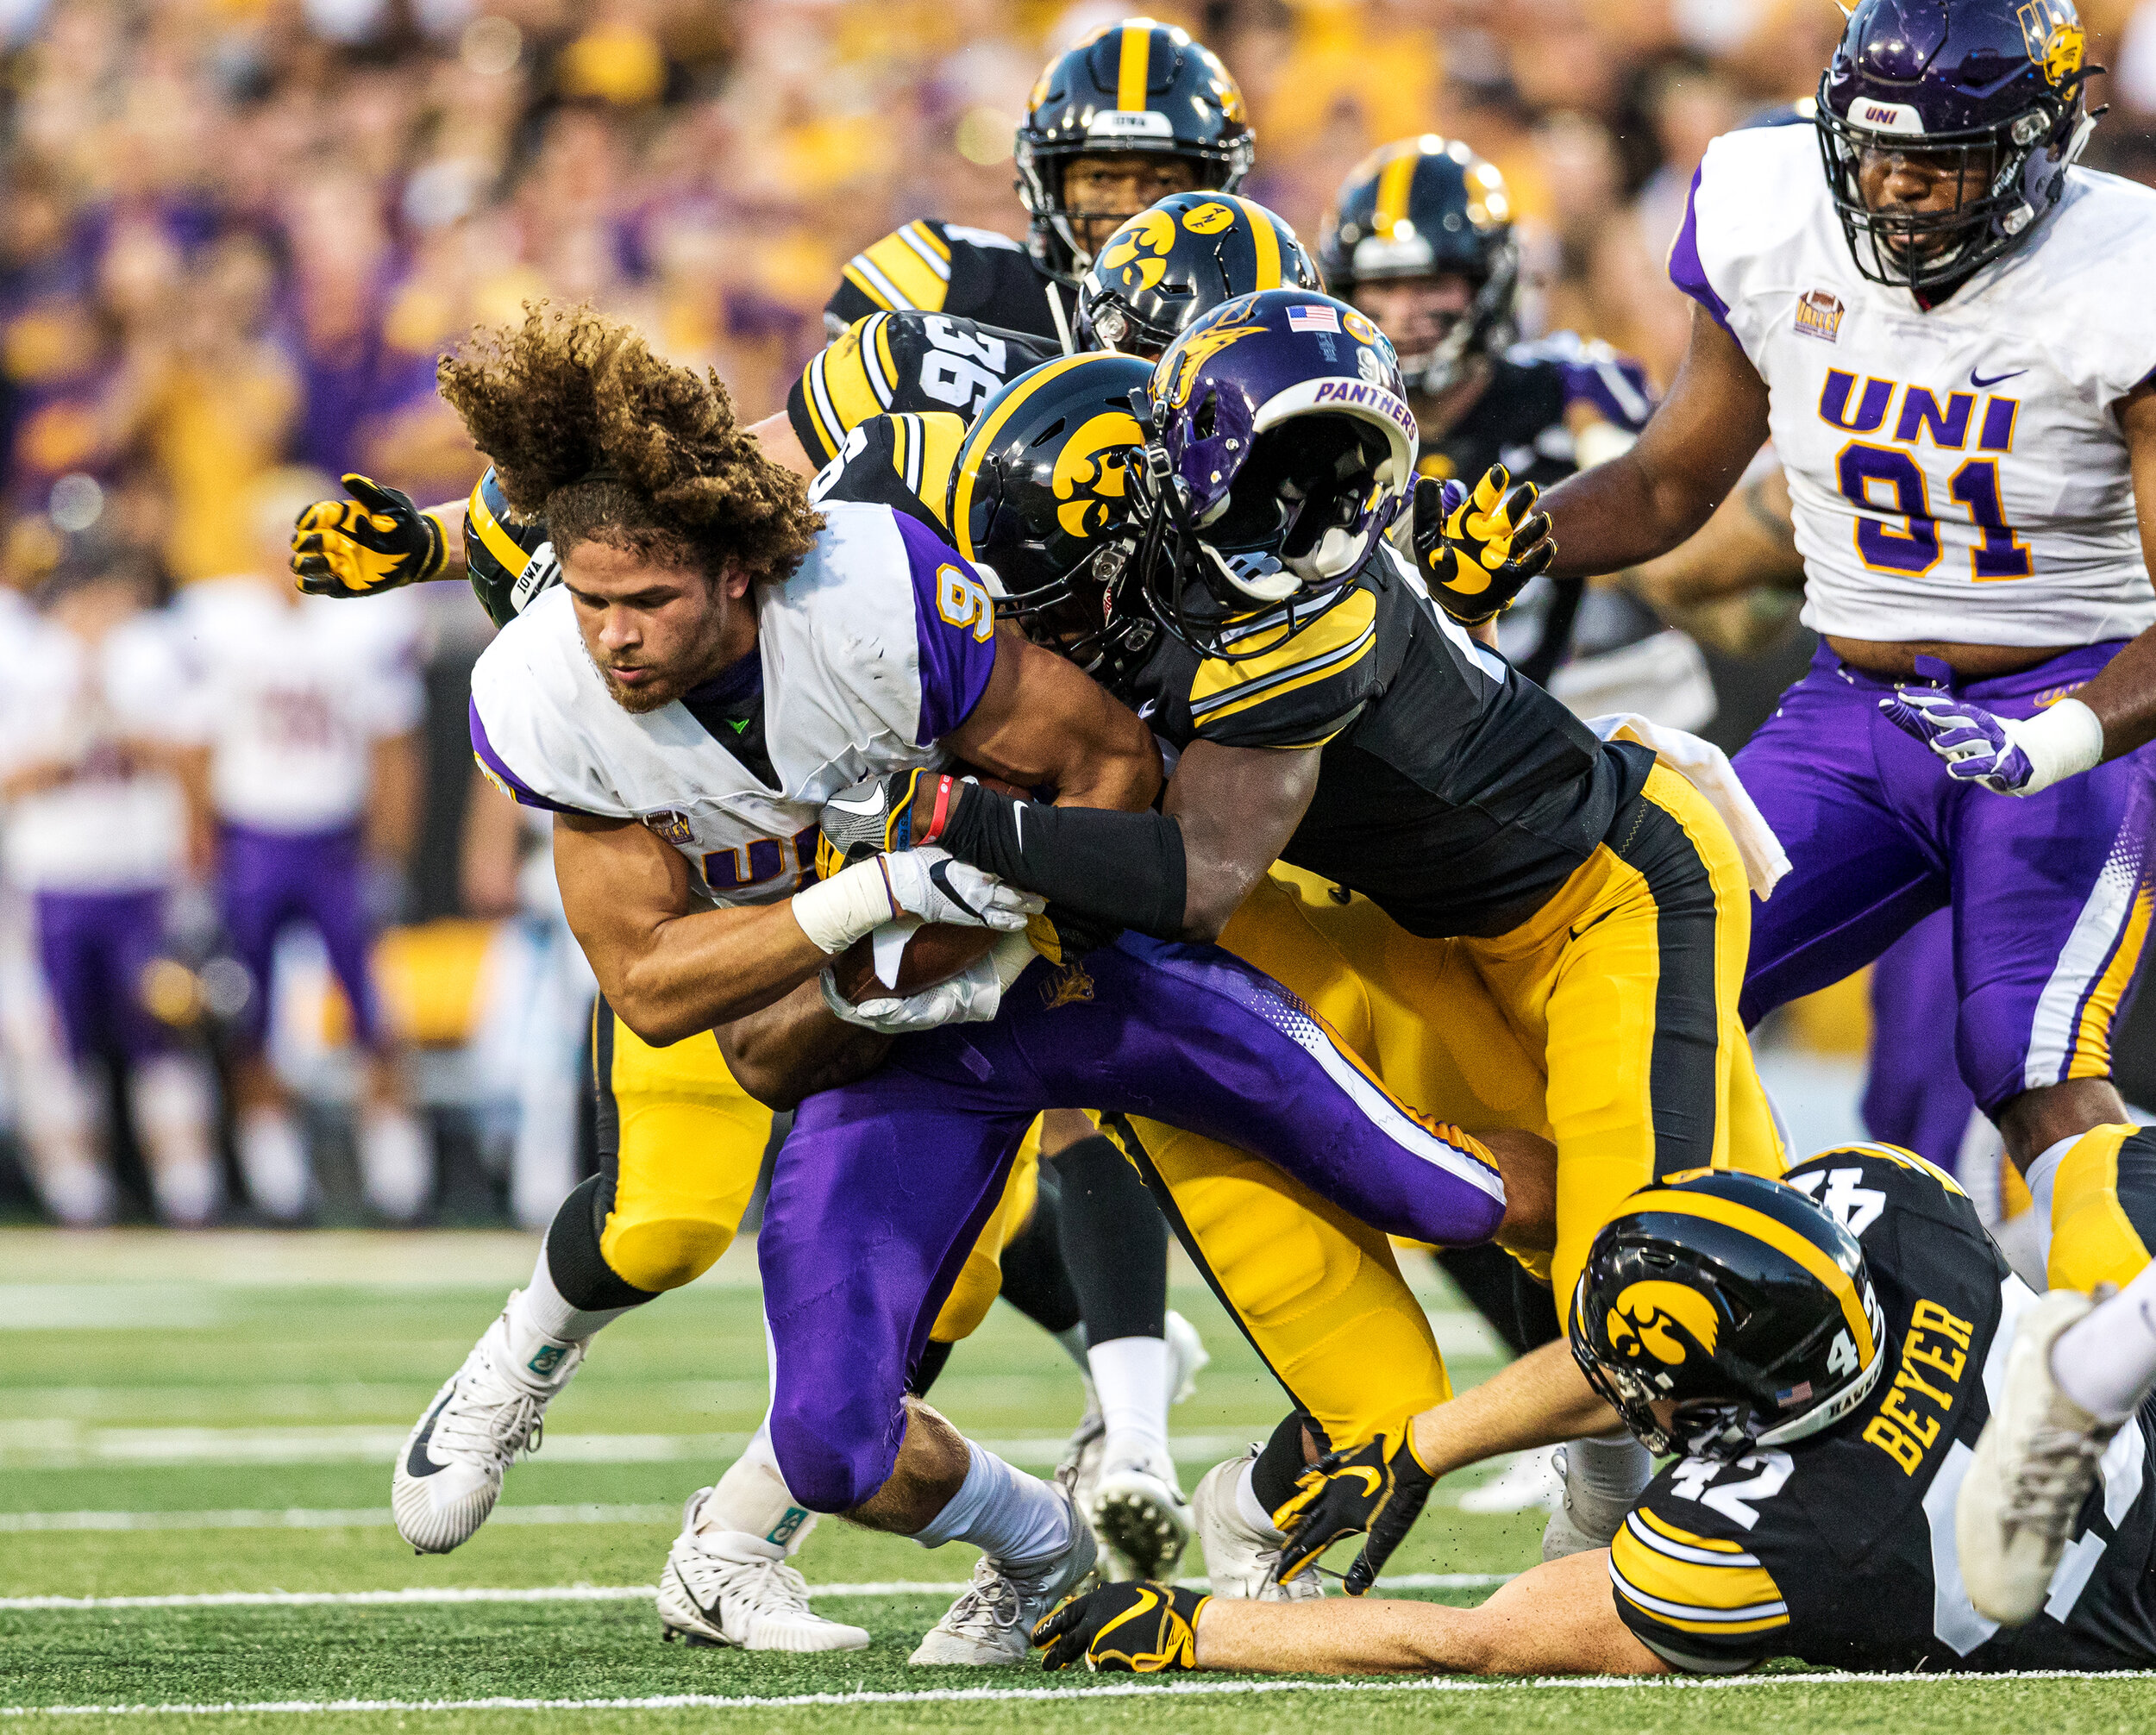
[(1885, 483), (1930, 1374)]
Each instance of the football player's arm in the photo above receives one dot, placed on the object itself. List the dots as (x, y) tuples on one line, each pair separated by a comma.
[(795, 1047), (668, 968), (1040, 722), (782, 445), (1736, 584), (1541, 1399), (1558, 1618), (1648, 499)]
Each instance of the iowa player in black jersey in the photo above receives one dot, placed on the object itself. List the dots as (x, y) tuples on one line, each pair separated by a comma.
[(1819, 1355), (1133, 112), (1420, 237), (1162, 270)]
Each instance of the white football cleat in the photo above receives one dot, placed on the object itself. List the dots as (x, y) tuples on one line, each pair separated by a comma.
[(1531, 1481), (2035, 1462), (991, 1625), (450, 1473), (1140, 1516), (729, 1588), (1187, 1356), (1240, 1562)]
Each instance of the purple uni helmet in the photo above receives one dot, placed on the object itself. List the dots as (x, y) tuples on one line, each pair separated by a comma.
[(1992, 88), (1279, 446)]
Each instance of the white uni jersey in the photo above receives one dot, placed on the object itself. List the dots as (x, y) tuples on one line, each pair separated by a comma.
[(880, 644), (294, 693), (1957, 474)]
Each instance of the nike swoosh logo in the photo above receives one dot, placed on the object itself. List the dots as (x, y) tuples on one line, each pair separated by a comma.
[(416, 1462), (1983, 384), (737, 727), (870, 803), (1372, 1481), (1147, 709), (1017, 823)]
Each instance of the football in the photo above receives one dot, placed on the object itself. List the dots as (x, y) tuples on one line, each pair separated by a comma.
[(937, 952)]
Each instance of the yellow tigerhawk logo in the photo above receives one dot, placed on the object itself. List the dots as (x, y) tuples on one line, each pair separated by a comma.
[(1179, 368), (1138, 251), (1092, 470), (2054, 38), (1645, 1314)]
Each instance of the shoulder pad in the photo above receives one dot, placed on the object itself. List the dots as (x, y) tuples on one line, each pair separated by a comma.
[(905, 361), (1304, 684), (1700, 1600)]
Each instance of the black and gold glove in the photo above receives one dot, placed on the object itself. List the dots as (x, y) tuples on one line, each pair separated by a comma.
[(1477, 548), (1142, 1627), (1379, 1489), (376, 540)]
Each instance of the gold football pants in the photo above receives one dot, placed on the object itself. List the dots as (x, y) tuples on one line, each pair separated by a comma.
[(681, 1145), (2103, 1208)]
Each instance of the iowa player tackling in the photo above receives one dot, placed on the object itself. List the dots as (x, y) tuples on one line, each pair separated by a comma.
[(1822, 1358)]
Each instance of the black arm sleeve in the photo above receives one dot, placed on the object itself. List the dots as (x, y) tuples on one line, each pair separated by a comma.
[(1122, 868)]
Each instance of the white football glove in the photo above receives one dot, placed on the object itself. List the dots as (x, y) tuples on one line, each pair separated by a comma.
[(971, 997), (929, 883), (926, 884)]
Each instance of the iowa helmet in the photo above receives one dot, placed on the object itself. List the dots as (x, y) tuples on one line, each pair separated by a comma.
[(1177, 260), (1991, 87), (1280, 448), (1429, 207), (1736, 1298), (1138, 85), (510, 561), (1040, 495)]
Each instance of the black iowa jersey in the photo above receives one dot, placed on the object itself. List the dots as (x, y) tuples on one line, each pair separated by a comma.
[(1523, 421), (1453, 794), (1839, 1550), (942, 267), (905, 363)]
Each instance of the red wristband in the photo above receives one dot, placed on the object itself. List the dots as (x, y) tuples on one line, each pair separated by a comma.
[(939, 814)]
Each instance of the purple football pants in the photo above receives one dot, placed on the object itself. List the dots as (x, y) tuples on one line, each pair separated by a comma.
[(1913, 1096), (93, 948), (268, 879), (2050, 894), (883, 1186)]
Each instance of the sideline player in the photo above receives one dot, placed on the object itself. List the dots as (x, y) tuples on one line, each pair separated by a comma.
[(1822, 1365), (592, 704), (1327, 714), (1133, 112), (1420, 237), (308, 775), (96, 705)]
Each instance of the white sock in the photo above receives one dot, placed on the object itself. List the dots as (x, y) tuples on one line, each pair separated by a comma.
[(2042, 1173), (1009, 1516), (1251, 1509), (1132, 1376), (396, 1163), (751, 1504), (542, 1314), (273, 1159), (172, 1120), (2107, 1363), (1605, 1475)]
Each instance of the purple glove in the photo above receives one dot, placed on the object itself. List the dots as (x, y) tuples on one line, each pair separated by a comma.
[(2007, 755)]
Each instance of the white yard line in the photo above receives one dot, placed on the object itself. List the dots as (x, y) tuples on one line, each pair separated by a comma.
[(323, 1517), (600, 1593), (949, 1695)]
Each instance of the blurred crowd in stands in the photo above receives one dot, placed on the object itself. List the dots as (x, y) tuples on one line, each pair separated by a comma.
[(237, 233)]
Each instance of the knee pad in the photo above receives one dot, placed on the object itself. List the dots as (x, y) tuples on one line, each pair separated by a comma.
[(660, 1250)]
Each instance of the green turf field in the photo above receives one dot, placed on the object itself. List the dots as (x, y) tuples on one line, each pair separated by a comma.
[(185, 1418)]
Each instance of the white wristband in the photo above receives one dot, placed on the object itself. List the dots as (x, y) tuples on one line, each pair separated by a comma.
[(2061, 741), (836, 911)]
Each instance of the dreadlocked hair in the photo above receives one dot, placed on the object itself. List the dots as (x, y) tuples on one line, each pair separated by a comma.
[(592, 431)]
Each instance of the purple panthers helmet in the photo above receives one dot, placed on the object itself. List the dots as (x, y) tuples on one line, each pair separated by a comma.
[(1280, 447), (1990, 87)]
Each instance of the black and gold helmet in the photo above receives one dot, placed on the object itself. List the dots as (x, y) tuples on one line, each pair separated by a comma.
[(510, 561), (1737, 1298), (1138, 85), (1039, 497), (1429, 207), (1177, 260)]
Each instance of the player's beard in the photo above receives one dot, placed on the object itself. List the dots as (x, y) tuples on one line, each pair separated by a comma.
[(698, 662)]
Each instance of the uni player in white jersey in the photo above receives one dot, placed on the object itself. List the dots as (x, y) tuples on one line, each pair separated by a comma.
[(1946, 333)]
